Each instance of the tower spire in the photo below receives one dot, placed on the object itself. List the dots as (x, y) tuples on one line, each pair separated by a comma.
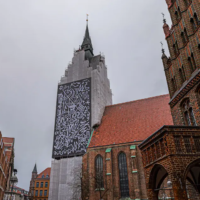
[(35, 169), (87, 43)]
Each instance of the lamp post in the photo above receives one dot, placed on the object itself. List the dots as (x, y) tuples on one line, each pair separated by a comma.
[(21, 195), (13, 181)]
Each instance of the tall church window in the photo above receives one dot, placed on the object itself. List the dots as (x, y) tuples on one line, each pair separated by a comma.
[(178, 14), (192, 63), (175, 48), (186, 3), (183, 38), (173, 80), (99, 172), (188, 113), (181, 75), (196, 19), (186, 35), (123, 175)]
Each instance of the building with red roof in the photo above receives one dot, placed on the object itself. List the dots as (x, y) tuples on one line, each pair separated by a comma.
[(39, 184), (123, 127)]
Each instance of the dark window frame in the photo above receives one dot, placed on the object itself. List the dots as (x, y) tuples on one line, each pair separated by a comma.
[(123, 175)]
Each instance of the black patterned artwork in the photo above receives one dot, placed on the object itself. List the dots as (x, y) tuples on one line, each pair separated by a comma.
[(73, 119)]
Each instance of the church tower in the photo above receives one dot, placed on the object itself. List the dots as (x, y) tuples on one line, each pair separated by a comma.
[(182, 68), (83, 93), (32, 182)]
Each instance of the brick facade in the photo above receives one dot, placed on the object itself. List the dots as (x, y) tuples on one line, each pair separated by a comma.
[(111, 190), (3, 168), (6, 163), (172, 154), (163, 151), (182, 68)]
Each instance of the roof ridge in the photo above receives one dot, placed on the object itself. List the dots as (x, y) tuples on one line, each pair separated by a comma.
[(137, 100)]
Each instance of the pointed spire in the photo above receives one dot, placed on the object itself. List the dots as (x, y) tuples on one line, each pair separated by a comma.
[(34, 169), (163, 51), (165, 27), (87, 43)]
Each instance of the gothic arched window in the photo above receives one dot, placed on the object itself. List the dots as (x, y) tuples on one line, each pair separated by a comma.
[(181, 72), (188, 113), (99, 172), (192, 63), (123, 175)]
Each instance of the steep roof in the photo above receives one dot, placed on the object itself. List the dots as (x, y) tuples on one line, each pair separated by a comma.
[(46, 172), (132, 121), (87, 39), (35, 169)]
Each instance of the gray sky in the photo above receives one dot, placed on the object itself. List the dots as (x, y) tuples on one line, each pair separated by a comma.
[(37, 40)]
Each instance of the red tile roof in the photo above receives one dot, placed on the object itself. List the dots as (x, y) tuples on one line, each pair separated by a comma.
[(132, 121), (47, 171)]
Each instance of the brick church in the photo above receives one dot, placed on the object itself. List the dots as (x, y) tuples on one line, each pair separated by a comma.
[(136, 152), (144, 149)]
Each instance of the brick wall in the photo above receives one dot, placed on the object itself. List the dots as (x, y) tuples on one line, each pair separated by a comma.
[(4, 166), (182, 80), (136, 180)]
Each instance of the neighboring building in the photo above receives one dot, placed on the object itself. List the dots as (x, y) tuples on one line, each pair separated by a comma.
[(4, 166), (172, 154), (112, 166), (6, 163), (10, 153), (83, 93), (32, 182), (17, 194), (39, 186)]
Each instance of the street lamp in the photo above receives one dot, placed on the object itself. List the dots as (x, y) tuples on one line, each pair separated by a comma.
[(21, 195), (13, 181)]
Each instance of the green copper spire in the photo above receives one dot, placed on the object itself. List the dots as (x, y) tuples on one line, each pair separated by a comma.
[(87, 44)]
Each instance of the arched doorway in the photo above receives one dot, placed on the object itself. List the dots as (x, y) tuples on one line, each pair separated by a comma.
[(192, 177), (159, 183)]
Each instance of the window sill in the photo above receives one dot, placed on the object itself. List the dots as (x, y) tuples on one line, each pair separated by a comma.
[(99, 189)]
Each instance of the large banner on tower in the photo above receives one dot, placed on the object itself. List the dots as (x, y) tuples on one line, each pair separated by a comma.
[(73, 119)]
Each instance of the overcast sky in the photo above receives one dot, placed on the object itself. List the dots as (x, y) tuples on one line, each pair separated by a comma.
[(37, 40)]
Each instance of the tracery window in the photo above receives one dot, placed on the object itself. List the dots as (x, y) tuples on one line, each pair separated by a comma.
[(99, 172), (123, 175), (188, 113)]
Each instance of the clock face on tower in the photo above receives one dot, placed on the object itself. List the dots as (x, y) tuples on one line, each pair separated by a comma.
[(73, 119)]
